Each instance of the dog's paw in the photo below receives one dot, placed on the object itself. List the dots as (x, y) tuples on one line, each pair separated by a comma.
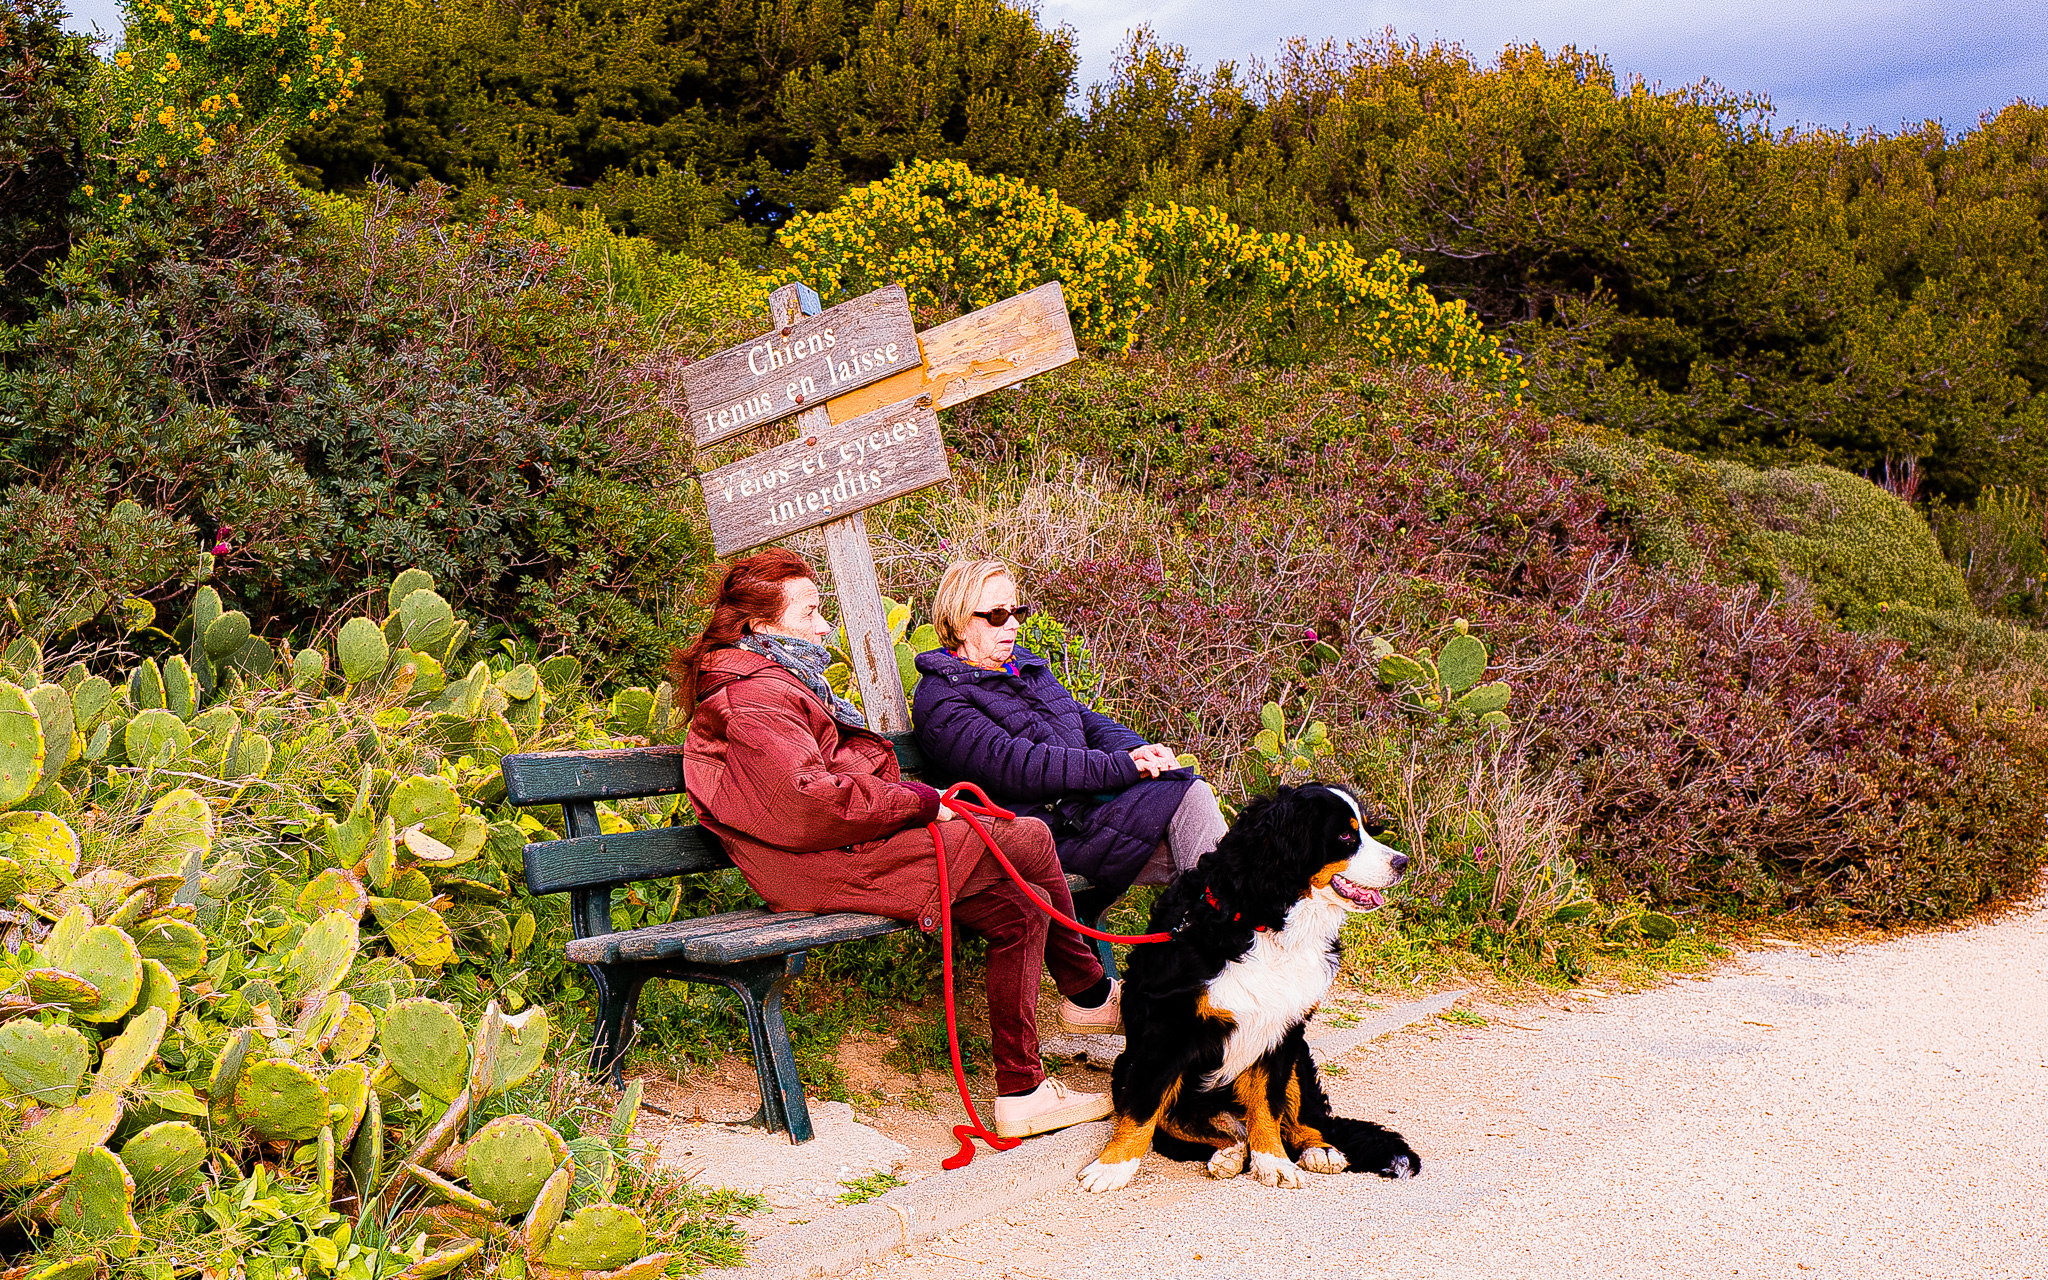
[(1324, 1160), (1108, 1177), (1275, 1171), (1228, 1162), (1405, 1165)]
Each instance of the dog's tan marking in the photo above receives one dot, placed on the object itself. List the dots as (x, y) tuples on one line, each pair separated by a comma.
[(1212, 1136), (1321, 879), (1261, 1126), (1132, 1137), (1212, 1013), (1299, 1137)]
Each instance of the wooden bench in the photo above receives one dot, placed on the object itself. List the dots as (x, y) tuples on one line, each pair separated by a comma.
[(755, 953)]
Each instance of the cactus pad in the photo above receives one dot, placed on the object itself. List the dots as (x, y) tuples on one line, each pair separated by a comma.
[(12, 879), (156, 739), (520, 683), (163, 1155), (546, 1213), (366, 1151), (334, 890), (419, 798), (561, 673), (44, 846), (509, 1048), (404, 584), (61, 988), (1461, 663), (107, 958), (90, 702), (598, 1238), (415, 931), (348, 1096), (52, 1141), (424, 1042), (178, 946), (123, 1058), (443, 1260), (309, 668), (60, 731), (1485, 698), (226, 635), (227, 1064), (279, 1100), (347, 1039), (21, 746), (424, 620), (181, 689), (627, 1113), (597, 1171), (80, 1268), (159, 989), (452, 1192), (44, 1063), (324, 954), (510, 1160), (99, 1202), (362, 649), (178, 833), (1657, 927)]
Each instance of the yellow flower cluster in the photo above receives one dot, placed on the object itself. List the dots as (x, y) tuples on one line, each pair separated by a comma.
[(954, 238), (193, 73)]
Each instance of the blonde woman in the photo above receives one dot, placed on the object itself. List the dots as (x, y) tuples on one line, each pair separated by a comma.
[(989, 712)]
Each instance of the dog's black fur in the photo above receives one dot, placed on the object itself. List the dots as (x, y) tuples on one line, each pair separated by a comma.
[(1268, 862)]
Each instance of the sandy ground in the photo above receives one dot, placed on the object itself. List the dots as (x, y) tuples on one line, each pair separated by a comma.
[(1880, 1110)]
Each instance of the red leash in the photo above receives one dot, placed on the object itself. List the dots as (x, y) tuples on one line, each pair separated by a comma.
[(971, 813)]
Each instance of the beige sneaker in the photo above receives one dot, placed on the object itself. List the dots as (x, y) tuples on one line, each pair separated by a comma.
[(1105, 1021), (1050, 1106)]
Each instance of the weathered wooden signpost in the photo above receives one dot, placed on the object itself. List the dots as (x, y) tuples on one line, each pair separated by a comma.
[(866, 389)]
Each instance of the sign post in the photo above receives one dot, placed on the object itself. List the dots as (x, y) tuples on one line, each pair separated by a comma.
[(865, 388)]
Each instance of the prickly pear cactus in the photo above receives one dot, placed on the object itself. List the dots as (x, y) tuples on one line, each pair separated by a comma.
[(510, 1159), (21, 745), (424, 1042), (99, 1202), (44, 1062), (279, 1100), (598, 1238)]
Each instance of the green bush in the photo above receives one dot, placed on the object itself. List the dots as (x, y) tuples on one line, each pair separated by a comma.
[(1963, 638), (1857, 546)]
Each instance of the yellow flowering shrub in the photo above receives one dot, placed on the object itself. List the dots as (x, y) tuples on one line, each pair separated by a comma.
[(192, 74), (958, 240), (1166, 274)]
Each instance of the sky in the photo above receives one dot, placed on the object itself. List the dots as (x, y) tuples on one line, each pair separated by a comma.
[(1855, 63)]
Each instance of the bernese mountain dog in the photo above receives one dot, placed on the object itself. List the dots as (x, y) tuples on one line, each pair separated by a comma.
[(1216, 1064)]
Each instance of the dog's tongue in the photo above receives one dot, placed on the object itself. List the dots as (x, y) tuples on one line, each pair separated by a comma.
[(1358, 893)]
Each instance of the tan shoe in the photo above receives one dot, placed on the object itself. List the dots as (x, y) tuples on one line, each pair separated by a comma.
[(1050, 1106), (1105, 1021)]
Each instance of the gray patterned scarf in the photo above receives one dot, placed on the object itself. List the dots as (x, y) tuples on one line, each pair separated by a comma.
[(807, 661)]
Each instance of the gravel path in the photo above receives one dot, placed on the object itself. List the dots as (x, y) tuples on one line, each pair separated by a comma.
[(1877, 1111)]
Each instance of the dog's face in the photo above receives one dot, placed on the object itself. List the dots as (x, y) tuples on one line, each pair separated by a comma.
[(1300, 844), (1354, 883)]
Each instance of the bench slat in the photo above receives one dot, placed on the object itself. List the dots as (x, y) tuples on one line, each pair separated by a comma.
[(736, 935), (550, 777), (595, 862)]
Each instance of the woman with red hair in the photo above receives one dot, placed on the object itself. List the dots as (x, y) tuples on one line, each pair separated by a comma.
[(813, 809)]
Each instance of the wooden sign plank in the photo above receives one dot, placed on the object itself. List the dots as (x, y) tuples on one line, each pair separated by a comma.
[(980, 352), (809, 359), (844, 468)]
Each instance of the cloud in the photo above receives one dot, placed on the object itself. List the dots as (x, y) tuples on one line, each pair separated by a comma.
[(1862, 63)]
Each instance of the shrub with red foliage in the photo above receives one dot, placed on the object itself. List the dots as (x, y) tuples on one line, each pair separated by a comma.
[(1724, 748)]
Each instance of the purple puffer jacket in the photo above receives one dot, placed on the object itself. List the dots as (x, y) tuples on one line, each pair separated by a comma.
[(1034, 749)]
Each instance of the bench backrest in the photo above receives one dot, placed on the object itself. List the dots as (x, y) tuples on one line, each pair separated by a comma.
[(590, 860)]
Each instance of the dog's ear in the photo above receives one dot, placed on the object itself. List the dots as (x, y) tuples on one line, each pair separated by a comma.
[(1251, 872)]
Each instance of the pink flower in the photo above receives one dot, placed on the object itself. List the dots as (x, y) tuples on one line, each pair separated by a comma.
[(1309, 635)]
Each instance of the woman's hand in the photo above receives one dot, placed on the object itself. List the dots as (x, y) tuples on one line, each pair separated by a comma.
[(1154, 759), (946, 814)]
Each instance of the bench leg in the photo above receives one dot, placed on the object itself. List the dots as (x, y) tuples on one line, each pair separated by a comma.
[(618, 994), (759, 985)]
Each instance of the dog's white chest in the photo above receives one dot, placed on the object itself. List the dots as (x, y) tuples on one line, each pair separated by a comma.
[(1274, 985)]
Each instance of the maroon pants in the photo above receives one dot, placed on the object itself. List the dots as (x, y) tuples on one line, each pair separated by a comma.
[(1021, 940)]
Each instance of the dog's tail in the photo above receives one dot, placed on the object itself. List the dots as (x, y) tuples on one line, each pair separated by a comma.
[(1371, 1148)]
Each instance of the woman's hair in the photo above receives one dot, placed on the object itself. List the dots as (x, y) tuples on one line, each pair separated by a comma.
[(958, 590), (751, 591)]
